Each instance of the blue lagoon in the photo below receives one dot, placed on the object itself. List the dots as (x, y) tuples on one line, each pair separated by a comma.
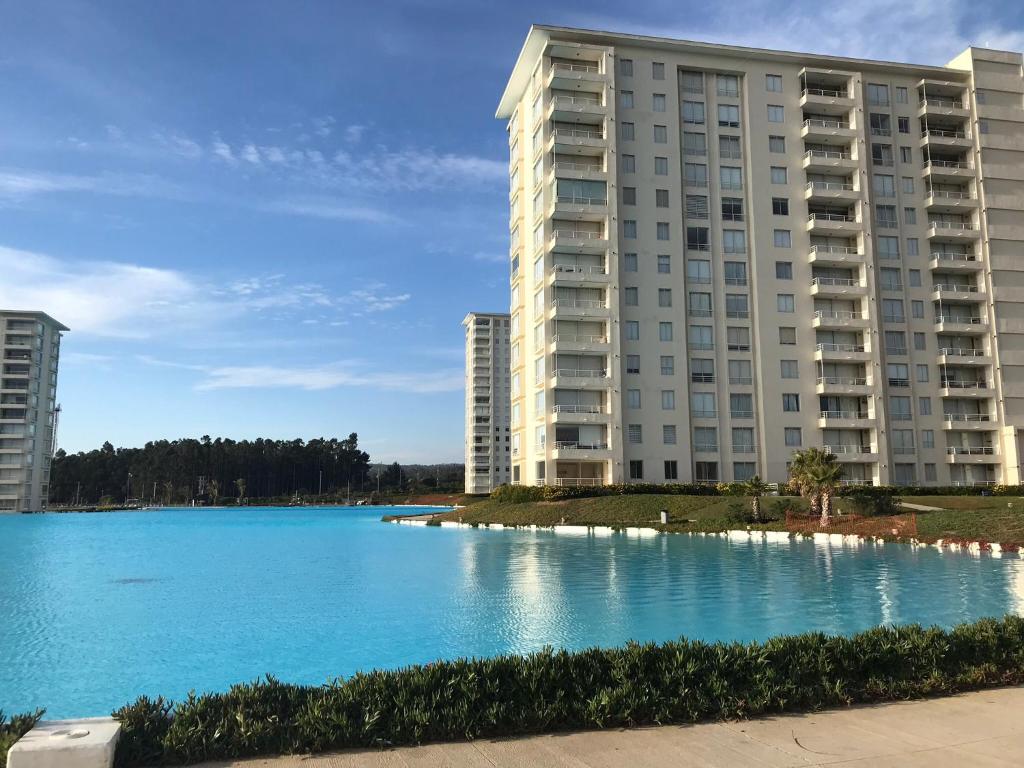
[(97, 609)]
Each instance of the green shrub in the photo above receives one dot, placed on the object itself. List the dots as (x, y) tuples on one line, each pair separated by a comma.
[(518, 494), (683, 681), (11, 731), (871, 502)]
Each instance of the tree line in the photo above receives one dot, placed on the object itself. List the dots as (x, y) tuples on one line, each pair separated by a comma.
[(210, 470)]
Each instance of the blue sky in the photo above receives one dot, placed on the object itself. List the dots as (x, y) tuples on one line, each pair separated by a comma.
[(268, 219)]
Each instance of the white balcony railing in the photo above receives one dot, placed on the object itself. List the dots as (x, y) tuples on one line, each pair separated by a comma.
[(931, 101), (964, 320), (576, 445), (569, 165), (956, 288), (577, 481), (848, 449), (831, 217), (846, 250), (962, 352), (577, 339), (577, 304), (951, 164), (577, 269), (830, 186), (843, 381), (581, 373), (567, 67), (827, 154), (829, 93), (949, 194), (578, 101), (843, 415), (576, 234), (970, 417), (971, 450), (838, 314), (945, 134), (817, 123), (845, 282), (832, 347), (577, 409), (956, 225), (579, 133), (573, 200), (953, 256)]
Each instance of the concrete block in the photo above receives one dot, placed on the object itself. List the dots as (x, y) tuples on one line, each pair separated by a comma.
[(87, 743)]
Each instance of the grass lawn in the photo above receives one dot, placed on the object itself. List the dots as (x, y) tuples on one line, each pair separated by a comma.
[(984, 518)]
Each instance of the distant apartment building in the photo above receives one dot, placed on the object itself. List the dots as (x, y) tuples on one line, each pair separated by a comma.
[(720, 255), (488, 442), (28, 392)]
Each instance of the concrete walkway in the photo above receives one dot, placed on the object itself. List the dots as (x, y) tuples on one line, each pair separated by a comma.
[(976, 729)]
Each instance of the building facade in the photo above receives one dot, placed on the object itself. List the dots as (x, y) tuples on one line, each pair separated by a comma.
[(28, 392), (720, 255), (488, 438)]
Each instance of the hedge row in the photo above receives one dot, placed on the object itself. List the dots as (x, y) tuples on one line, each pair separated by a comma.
[(518, 494), (676, 682)]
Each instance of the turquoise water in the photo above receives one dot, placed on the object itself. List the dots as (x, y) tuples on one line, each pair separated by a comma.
[(98, 609)]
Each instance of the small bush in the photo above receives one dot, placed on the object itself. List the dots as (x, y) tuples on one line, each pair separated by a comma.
[(874, 502), (518, 494), (11, 731), (684, 681)]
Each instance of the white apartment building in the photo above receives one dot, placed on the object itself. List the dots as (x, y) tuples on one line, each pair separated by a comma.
[(28, 392), (720, 255), (488, 463)]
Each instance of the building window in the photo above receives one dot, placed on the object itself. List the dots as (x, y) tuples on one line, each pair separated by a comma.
[(919, 341), (664, 297), (626, 99), (910, 216), (930, 475), (787, 335), (660, 134), (783, 238), (662, 230), (633, 398), (912, 246), (629, 262), (661, 166), (658, 70), (664, 264), (924, 406), (737, 339), (740, 372), (695, 174), (917, 309), (734, 241), (701, 337), (626, 67), (922, 372), (634, 433), (779, 175), (632, 363), (629, 195), (636, 470), (927, 438), (789, 369), (732, 209), (668, 365), (899, 408), (631, 297), (693, 112), (661, 198), (692, 82), (629, 229), (783, 270), (702, 370), (901, 94), (790, 402), (658, 102), (884, 186), (888, 247), (903, 124), (729, 148), (696, 206), (671, 469), (794, 437), (629, 164), (728, 116), (735, 273), (785, 302), (777, 144), (908, 185), (694, 143), (628, 131), (705, 471), (773, 83), (731, 178), (878, 95), (906, 154), (668, 400), (665, 331), (728, 85), (886, 216), (632, 330), (776, 113)]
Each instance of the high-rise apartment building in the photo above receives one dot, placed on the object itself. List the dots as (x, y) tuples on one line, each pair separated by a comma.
[(488, 440), (28, 392), (720, 255)]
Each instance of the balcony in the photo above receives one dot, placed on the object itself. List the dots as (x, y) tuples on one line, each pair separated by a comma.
[(830, 191), (942, 107), (571, 343), (845, 420), (832, 224), (843, 385), (579, 308), (579, 414), (827, 131), (575, 449), (579, 208), (952, 231), (948, 169), (945, 138), (579, 275), (841, 353), (957, 292), (828, 99), (965, 388), (948, 201), (974, 422), (975, 454), (961, 325), (567, 77), (824, 318), (852, 452), (838, 286), (580, 167), (955, 262), (963, 356), (828, 160), (835, 255), (571, 140), (569, 108), (575, 378), (579, 241)]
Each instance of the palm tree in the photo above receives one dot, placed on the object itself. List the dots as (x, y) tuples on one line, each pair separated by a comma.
[(814, 474), (755, 488), (213, 491), (240, 485)]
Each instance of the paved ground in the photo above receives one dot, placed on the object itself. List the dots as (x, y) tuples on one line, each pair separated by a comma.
[(976, 729)]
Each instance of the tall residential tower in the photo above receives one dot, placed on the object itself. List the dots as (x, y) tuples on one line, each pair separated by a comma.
[(720, 255), (28, 392), (487, 401)]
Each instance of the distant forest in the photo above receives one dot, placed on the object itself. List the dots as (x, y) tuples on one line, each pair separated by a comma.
[(222, 470)]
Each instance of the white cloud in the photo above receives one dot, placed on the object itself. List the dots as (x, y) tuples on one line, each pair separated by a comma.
[(223, 150), (354, 133), (373, 301), (250, 154), (323, 126), (332, 376), (326, 208), (493, 258), (17, 184)]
